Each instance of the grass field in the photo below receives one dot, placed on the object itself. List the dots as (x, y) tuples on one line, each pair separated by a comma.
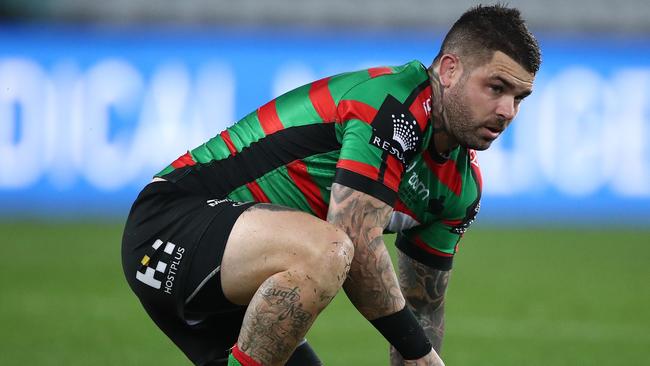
[(516, 297)]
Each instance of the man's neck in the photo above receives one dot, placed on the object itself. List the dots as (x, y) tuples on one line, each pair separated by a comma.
[(441, 142)]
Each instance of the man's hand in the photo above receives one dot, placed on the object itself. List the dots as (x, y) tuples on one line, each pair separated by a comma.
[(431, 359)]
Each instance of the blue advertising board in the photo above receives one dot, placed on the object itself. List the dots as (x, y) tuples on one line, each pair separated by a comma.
[(87, 116)]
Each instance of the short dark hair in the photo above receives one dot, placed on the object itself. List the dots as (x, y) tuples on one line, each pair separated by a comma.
[(483, 30)]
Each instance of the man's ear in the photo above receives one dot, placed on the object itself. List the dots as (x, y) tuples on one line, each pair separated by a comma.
[(450, 69)]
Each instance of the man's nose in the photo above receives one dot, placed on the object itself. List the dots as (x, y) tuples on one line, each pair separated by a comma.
[(506, 109)]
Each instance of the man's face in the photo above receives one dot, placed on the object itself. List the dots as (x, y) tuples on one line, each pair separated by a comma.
[(484, 100)]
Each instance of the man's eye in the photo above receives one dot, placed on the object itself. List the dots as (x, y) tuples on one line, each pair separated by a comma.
[(497, 89)]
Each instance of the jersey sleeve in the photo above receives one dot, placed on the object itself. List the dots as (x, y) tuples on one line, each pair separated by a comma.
[(436, 244), (376, 145), (433, 245)]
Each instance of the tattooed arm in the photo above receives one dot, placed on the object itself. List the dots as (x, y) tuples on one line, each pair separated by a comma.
[(372, 284), (424, 288)]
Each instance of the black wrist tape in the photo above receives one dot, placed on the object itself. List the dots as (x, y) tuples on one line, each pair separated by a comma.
[(404, 332)]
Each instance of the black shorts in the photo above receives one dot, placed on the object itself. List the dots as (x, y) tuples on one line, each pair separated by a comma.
[(172, 248)]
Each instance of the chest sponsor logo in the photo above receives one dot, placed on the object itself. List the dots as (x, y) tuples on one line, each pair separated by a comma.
[(395, 130), (159, 269), (418, 186)]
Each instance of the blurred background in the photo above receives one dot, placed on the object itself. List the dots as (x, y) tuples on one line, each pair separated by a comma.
[(96, 97)]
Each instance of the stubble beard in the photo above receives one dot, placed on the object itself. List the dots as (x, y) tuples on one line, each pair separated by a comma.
[(460, 123)]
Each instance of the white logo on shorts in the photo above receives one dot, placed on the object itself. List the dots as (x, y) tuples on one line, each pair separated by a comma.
[(215, 202), (148, 277)]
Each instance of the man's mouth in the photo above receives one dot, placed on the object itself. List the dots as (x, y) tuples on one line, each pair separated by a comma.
[(492, 132)]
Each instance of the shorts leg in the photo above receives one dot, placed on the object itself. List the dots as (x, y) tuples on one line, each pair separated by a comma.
[(171, 253)]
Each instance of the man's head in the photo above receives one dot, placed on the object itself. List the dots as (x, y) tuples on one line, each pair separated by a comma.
[(486, 66)]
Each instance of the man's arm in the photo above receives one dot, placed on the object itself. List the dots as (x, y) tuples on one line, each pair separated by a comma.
[(372, 284), (424, 288)]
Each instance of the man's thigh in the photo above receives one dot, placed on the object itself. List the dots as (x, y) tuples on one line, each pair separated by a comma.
[(268, 239)]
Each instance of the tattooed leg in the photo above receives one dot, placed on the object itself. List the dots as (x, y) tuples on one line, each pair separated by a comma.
[(283, 309), (286, 266)]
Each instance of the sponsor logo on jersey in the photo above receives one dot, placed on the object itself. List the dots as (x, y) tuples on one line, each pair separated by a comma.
[(416, 183), (395, 130), (472, 211), (418, 186), (160, 269)]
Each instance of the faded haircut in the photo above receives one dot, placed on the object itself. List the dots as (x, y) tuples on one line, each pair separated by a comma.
[(483, 30)]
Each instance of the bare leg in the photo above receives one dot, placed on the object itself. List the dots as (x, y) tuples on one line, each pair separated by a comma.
[(295, 264), (278, 318)]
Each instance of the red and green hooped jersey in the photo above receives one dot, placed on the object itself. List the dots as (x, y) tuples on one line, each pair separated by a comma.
[(368, 130)]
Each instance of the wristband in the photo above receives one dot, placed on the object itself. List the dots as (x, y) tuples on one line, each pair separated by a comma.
[(403, 331)]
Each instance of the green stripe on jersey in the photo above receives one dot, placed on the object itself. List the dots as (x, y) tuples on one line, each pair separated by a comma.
[(241, 194), (356, 144), (321, 172), (399, 84), (215, 148), (279, 187), (295, 108), (340, 84)]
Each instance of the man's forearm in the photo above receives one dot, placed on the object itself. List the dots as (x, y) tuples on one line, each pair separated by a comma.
[(424, 289), (372, 284), (428, 303)]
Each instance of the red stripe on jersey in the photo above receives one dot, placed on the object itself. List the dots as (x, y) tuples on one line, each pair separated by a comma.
[(184, 160), (428, 249), (421, 107), (452, 222), (393, 173), (354, 109), (225, 136), (364, 169), (401, 207), (322, 100), (298, 173), (379, 71), (268, 116), (473, 162), (257, 192), (447, 173)]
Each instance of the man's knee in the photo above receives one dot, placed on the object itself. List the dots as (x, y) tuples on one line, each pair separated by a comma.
[(329, 256), (264, 243)]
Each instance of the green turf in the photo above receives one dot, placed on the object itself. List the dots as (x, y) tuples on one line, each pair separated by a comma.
[(517, 297)]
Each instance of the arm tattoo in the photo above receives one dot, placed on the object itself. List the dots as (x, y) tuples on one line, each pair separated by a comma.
[(424, 289), (371, 284)]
